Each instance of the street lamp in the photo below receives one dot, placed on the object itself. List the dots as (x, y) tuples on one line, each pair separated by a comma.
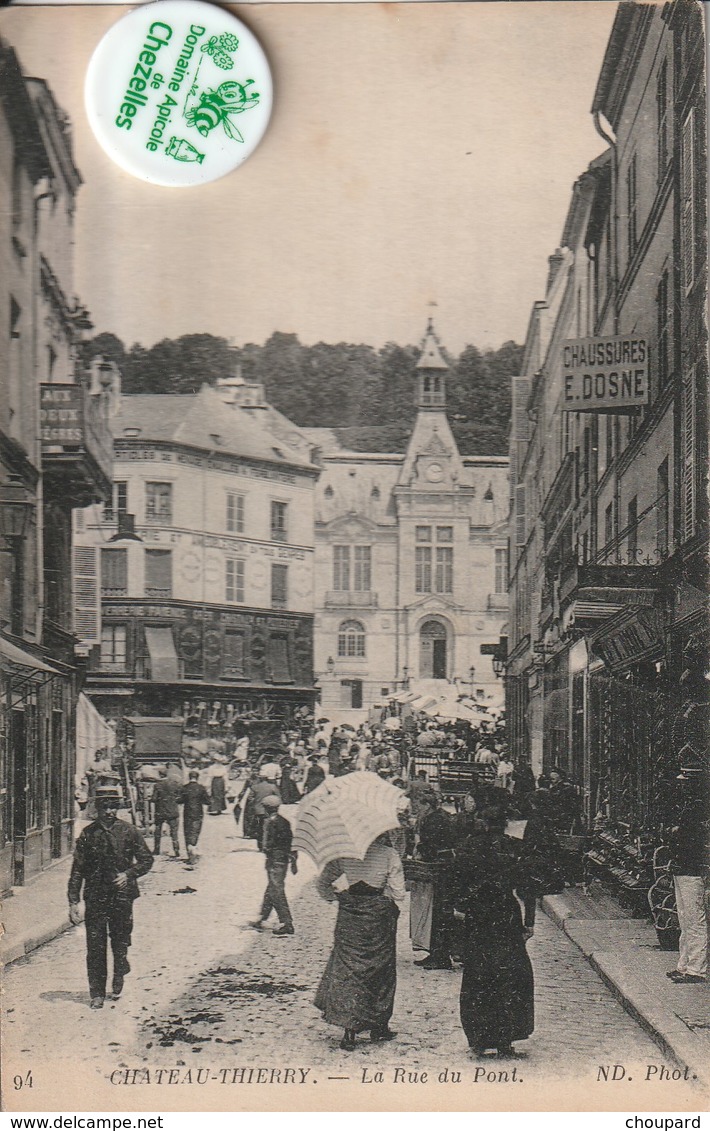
[(498, 666), (16, 506), (405, 677), (471, 676)]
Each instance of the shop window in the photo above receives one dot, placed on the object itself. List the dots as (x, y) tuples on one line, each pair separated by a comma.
[(280, 663), (234, 654)]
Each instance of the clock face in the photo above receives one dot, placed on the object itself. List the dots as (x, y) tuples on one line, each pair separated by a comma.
[(435, 473)]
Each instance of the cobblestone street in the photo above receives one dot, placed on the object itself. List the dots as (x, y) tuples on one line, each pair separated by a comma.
[(208, 992)]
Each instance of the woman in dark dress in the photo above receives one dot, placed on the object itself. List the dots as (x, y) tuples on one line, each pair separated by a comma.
[(496, 1003), (358, 986)]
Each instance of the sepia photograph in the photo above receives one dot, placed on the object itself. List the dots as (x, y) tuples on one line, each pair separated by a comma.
[(354, 531)]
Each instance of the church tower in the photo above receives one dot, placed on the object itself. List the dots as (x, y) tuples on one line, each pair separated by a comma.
[(431, 373)]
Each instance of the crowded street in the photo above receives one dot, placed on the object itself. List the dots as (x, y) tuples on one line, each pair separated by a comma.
[(206, 991)]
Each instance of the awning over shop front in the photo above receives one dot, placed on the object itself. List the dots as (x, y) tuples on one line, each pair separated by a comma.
[(13, 657), (92, 733), (163, 657)]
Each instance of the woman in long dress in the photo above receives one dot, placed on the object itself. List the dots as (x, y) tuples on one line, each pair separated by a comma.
[(497, 991), (358, 986)]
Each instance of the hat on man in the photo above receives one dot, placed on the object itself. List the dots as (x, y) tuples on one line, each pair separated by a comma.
[(108, 794), (272, 801)]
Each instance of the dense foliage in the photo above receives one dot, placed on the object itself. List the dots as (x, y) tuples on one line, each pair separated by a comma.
[(368, 396)]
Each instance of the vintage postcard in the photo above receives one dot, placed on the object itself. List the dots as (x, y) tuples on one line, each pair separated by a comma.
[(354, 530)]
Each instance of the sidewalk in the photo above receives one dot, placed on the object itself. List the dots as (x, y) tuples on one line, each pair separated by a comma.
[(623, 951), (626, 955)]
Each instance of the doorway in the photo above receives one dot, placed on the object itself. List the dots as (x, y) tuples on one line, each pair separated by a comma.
[(433, 659)]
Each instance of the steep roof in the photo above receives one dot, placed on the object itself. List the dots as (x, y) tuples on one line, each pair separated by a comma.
[(431, 357), (205, 422)]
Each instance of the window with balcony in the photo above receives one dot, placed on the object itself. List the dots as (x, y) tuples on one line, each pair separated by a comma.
[(113, 647), (501, 570), (234, 581), (279, 515), (235, 513), (631, 207), (663, 329), (118, 503), (158, 573), (114, 573), (341, 568), (362, 568), (159, 502), (632, 544), (351, 640), (434, 564), (279, 586), (662, 510)]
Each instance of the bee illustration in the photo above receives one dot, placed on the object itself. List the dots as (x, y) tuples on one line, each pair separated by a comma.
[(217, 106)]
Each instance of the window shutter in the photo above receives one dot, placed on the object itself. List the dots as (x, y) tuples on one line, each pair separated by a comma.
[(687, 202), (520, 492), (688, 457), (521, 422), (87, 611)]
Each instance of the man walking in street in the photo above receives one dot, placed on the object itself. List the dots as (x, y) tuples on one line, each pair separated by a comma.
[(166, 797), (690, 868), (194, 798), (276, 846), (109, 857)]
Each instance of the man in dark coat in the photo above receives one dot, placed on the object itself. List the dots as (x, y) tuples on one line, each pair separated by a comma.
[(276, 846), (436, 840), (690, 867), (166, 796), (109, 857), (315, 775), (194, 799)]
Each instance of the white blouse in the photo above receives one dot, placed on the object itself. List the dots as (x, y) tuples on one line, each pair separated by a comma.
[(381, 868)]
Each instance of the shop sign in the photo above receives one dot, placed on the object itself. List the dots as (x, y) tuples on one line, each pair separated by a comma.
[(61, 417), (639, 636), (604, 374)]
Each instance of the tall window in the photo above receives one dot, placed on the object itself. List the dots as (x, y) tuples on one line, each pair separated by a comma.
[(159, 502), (351, 640), (234, 653), (362, 570), (662, 118), (632, 206), (158, 573), (341, 568), (279, 586), (118, 503), (234, 580), (662, 509), (608, 525), (689, 456), (501, 578), (434, 559), (688, 251), (235, 513), (113, 647), (632, 527), (663, 318), (279, 513), (114, 573)]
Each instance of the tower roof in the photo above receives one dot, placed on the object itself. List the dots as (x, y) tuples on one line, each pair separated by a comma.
[(431, 357)]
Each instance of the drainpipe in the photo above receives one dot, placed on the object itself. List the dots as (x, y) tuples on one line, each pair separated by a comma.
[(39, 611)]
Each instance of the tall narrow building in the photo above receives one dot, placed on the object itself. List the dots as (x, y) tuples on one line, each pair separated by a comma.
[(410, 560)]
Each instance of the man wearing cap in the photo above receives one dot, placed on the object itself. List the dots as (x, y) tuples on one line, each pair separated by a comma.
[(276, 846), (194, 798), (166, 796), (109, 857)]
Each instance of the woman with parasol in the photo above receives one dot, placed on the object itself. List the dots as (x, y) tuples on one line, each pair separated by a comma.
[(343, 826)]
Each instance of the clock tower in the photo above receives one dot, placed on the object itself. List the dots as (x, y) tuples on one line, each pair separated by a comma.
[(431, 373)]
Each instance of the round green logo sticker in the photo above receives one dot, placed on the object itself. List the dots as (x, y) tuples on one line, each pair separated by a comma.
[(179, 92)]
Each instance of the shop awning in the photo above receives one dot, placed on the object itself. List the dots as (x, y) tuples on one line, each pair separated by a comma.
[(163, 657), (15, 657), (92, 733)]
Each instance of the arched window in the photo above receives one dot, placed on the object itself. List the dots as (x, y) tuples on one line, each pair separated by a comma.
[(351, 640)]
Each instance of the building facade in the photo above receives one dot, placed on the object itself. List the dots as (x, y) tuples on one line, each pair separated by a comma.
[(608, 650), (55, 455), (411, 560), (200, 604)]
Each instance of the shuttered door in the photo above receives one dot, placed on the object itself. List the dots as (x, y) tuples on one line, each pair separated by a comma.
[(688, 458), (87, 612)]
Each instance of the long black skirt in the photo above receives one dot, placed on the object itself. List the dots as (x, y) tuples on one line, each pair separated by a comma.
[(358, 986), (497, 991)]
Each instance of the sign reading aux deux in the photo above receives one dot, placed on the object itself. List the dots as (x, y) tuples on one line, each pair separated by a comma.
[(604, 374), (61, 417)]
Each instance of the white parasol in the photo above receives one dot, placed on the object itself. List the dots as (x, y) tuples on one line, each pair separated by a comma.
[(343, 816)]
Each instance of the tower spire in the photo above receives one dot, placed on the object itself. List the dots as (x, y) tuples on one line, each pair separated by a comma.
[(431, 369)]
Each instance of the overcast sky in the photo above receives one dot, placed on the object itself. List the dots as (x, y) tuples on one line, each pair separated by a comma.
[(417, 153)]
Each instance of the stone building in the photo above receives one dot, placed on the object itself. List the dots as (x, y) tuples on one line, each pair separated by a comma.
[(608, 644), (55, 455), (198, 576), (411, 560)]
